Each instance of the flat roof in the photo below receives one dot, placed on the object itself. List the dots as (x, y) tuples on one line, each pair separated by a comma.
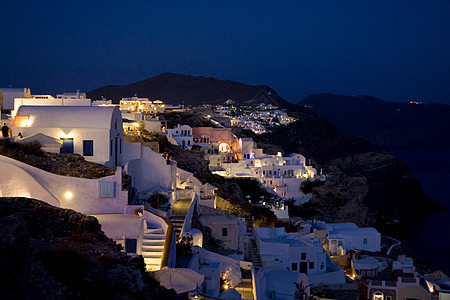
[(116, 226)]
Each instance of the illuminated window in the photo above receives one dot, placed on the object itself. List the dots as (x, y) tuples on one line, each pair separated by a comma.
[(378, 296)]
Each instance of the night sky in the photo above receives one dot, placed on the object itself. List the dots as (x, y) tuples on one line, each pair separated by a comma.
[(394, 50)]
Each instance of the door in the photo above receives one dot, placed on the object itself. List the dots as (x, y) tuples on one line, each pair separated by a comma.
[(67, 146), (304, 267)]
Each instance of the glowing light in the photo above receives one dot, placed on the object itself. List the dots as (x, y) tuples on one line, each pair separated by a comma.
[(68, 195), (226, 286)]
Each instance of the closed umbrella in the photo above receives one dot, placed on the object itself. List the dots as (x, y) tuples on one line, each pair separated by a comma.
[(180, 279)]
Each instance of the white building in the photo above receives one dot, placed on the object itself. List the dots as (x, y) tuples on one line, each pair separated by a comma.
[(182, 135), (343, 237), (402, 282), (48, 100), (283, 175), (289, 251), (230, 229), (249, 149), (149, 171), (94, 132), (7, 95), (76, 95)]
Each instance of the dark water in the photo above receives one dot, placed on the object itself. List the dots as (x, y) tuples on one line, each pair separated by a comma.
[(431, 165)]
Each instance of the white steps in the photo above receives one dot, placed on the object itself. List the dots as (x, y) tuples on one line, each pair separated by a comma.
[(153, 247)]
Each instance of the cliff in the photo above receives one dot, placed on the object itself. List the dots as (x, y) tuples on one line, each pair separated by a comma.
[(366, 185)]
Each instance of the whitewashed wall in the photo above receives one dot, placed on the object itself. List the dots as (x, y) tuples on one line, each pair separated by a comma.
[(79, 194), (147, 168)]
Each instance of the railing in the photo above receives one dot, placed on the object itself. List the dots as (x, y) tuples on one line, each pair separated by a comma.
[(190, 214), (409, 280), (377, 283), (167, 244)]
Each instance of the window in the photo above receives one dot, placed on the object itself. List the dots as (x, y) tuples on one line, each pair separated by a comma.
[(88, 148), (322, 265), (365, 241), (378, 295), (388, 297), (111, 147), (224, 231), (294, 267), (311, 265), (106, 189), (67, 146), (303, 256)]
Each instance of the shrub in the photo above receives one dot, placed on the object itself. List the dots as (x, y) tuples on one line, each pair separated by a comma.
[(157, 199), (31, 148)]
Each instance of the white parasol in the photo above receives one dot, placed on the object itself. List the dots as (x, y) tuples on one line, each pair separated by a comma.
[(180, 279)]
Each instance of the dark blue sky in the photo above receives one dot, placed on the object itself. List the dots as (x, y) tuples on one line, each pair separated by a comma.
[(394, 50)]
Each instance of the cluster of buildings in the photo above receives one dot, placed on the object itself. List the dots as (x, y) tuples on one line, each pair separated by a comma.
[(254, 263), (259, 119)]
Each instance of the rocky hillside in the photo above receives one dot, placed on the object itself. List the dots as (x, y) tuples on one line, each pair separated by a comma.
[(366, 184), (52, 253), (66, 164), (192, 90), (384, 123)]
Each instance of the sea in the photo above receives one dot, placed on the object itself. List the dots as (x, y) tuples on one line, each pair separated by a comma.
[(431, 166)]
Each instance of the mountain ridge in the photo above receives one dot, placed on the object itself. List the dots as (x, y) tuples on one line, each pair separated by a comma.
[(384, 123), (192, 90)]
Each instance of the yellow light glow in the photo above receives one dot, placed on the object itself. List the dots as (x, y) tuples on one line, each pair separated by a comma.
[(68, 195), (25, 194), (66, 133), (226, 286)]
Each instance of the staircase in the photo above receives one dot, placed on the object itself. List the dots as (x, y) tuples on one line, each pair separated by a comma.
[(179, 211), (255, 253), (153, 247), (245, 288), (177, 222)]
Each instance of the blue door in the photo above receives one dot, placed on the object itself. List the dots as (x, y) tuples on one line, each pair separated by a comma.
[(67, 146)]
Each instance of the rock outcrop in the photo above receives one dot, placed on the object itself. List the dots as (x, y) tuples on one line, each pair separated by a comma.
[(52, 253)]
